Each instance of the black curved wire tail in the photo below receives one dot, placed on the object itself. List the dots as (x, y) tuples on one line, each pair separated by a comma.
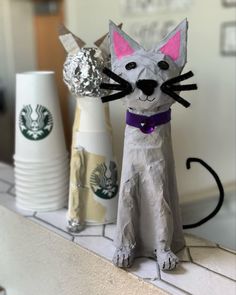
[(221, 193)]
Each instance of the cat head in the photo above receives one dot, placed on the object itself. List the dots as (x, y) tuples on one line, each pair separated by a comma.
[(82, 70), (148, 72)]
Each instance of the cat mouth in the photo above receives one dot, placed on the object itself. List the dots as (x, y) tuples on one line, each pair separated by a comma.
[(147, 98)]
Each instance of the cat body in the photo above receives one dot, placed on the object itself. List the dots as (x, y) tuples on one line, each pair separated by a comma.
[(149, 222)]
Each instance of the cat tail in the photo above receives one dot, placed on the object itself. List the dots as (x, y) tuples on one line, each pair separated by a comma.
[(221, 193)]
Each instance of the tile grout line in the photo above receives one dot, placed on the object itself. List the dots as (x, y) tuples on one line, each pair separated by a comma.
[(108, 238), (11, 194), (10, 188), (182, 290), (191, 259), (7, 182), (189, 254), (222, 275), (52, 225), (88, 236), (201, 246), (226, 250), (158, 271), (103, 229)]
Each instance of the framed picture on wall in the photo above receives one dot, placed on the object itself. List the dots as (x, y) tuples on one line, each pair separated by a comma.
[(229, 3), (228, 39)]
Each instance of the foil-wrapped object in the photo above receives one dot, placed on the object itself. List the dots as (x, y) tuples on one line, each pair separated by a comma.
[(82, 72)]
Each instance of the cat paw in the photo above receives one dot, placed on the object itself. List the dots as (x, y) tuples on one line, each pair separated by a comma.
[(167, 260), (123, 257)]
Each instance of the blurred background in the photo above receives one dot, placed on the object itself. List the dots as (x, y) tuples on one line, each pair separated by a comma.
[(29, 41)]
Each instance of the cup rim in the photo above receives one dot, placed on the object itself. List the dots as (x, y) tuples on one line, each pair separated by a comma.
[(41, 177), (25, 177), (39, 194), (40, 208), (50, 187), (26, 161), (22, 196), (41, 169), (39, 201), (41, 174)]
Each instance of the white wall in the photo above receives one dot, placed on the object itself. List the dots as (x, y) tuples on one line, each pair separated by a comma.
[(207, 129), (17, 54)]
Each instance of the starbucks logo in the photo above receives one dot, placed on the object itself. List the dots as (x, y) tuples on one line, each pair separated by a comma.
[(35, 122), (104, 180)]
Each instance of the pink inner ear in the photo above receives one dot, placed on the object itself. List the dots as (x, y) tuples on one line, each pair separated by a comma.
[(172, 47), (121, 46)]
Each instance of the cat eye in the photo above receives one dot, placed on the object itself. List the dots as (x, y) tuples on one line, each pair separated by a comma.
[(131, 65), (163, 65)]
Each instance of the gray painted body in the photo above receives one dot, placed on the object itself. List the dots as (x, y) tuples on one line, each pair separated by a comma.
[(149, 217)]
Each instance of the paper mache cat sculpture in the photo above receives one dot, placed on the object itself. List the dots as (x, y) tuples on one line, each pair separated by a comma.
[(149, 221), (93, 193)]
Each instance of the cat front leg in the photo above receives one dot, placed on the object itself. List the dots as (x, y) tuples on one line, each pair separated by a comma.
[(157, 216), (167, 260), (127, 223)]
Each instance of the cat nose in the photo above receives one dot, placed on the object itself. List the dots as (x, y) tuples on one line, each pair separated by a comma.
[(147, 86)]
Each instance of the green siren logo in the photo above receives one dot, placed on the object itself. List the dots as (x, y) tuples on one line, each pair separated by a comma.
[(104, 180), (35, 123)]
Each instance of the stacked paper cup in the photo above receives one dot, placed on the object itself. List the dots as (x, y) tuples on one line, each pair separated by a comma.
[(41, 160)]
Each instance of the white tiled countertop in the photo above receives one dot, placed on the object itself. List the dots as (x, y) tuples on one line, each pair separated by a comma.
[(206, 268)]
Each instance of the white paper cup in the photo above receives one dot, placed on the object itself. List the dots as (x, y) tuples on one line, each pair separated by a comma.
[(46, 196), (39, 132), (39, 170), (42, 187), (92, 114), (43, 179), (40, 199), (95, 142), (41, 207), (41, 161), (30, 168), (54, 160)]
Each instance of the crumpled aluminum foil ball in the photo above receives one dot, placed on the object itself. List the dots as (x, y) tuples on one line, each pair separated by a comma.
[(82, 72)]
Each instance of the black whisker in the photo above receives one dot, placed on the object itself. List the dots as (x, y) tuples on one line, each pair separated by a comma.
[(112, 86), (180, 78), (123, 85), (183, 87), (168, 88), (175, 96)]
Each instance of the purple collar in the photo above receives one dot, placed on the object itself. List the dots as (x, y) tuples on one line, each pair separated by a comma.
[(147, 124)]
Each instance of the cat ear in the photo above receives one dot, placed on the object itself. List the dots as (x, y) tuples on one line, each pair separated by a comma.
[(69, 41), (103, 43), (120, 43), (175, 44)]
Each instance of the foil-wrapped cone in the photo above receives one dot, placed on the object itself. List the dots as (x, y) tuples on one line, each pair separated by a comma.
[(82, 72)]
